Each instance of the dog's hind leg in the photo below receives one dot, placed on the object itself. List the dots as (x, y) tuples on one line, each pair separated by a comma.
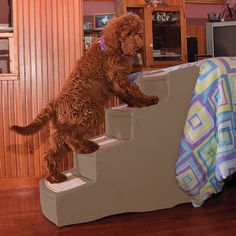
[(54, 156), (53, 159)]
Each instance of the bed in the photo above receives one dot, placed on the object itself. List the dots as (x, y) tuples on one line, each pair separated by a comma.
[(139, 163), (207, 153)]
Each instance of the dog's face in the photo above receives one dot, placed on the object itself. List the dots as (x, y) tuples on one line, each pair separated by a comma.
[(132, 43), (125, 32), (132, 36)]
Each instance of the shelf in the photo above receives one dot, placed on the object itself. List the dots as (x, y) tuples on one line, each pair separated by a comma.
[(6, 35), (156, 24), (10, 76), (92, 32), (168, 58), (6, 29)]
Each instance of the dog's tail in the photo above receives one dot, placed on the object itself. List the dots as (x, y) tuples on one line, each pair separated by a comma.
[(39, 122)]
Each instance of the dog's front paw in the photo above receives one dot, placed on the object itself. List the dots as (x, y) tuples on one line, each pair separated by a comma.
[(56, 178), (89, 147), (152, 100), (144, 101)]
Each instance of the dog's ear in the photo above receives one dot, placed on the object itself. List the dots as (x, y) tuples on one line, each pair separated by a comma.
[(110, 35), (111, 42)]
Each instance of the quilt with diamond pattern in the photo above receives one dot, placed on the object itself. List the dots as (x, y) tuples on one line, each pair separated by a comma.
[(207, 153)]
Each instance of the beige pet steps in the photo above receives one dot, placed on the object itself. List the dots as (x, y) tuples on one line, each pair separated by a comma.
[(134, 170)]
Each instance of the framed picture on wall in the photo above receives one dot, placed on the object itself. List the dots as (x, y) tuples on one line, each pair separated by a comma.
[(100, 20)]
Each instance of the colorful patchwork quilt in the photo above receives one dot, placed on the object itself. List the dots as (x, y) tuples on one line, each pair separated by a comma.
[(207, 153)]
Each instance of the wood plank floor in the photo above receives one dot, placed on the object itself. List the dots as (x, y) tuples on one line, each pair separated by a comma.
[(20, 215)]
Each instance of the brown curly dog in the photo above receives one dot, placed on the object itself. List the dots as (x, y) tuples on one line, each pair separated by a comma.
[(100, 73)]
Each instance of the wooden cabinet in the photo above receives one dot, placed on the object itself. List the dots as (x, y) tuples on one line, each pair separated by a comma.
[(165, 32)]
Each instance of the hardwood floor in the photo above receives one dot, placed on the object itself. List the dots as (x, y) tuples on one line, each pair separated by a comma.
[(20, 215)]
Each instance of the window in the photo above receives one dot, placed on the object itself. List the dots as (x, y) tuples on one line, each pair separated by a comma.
[(4, 56), (8, 41)]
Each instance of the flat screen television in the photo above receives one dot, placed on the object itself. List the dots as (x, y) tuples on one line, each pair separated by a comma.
[(221, 38)]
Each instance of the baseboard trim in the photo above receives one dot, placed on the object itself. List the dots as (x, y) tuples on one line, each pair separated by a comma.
[(19, 183)]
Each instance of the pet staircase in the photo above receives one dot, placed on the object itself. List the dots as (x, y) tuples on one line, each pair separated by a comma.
[(134, 169)]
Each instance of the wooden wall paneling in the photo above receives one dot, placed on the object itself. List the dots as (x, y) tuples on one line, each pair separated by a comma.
[(63, 54), (49, 42), (28, 86), (7, 117), (2, 143), (49, 50), (17, 91), (34, 145), (66, 38), (12, 137), (6, 112), (21, 103), (44, 52), (55, 32), (22, 116), (39, 84), (30, 96), (66, 53), (71, 30), (23, 97), (3, 138), (61, 48), (15, 21), (44, 67), (78, 29)]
